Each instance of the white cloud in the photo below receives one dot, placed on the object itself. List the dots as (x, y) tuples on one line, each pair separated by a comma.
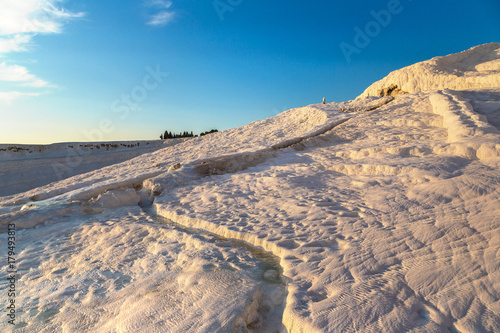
[(21, 75), (8, 96), (15, 43), (162, 17), (32, 16), (20, 22), (36, 83), (17, 73), (159, 4)]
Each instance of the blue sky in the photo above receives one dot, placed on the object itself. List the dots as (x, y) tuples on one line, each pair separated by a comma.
[(117, 70)]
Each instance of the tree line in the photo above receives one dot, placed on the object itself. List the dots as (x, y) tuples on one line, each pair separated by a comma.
[(170, 135)]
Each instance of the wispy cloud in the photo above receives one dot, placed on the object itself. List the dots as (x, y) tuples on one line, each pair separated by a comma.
[(14, 43), (17, 73), (33, 16), (10, 96), (163, 14), (165, 4), (161, 19), (20, 22)]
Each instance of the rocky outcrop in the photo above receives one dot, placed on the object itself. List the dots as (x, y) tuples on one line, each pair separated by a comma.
[(475, 68), (392, 90)]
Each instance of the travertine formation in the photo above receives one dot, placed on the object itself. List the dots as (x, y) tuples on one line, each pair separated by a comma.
[(478, 67), (384, 213)]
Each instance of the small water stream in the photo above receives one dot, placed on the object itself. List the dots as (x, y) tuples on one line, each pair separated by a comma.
[(262, 267), (268, 272)]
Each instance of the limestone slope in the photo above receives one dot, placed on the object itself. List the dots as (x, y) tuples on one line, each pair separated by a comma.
[(477, 67)]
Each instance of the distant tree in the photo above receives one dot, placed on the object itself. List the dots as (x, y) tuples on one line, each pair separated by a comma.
[(161, 136), (208, 132), (184, 134)]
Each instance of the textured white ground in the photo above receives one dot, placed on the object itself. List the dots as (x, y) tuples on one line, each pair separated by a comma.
[(119, 271), (382, 224), (478, 67), (24, 167), (260, 136), (385, 215)]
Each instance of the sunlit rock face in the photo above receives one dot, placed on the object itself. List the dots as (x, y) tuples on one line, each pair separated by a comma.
[(478, 67)]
